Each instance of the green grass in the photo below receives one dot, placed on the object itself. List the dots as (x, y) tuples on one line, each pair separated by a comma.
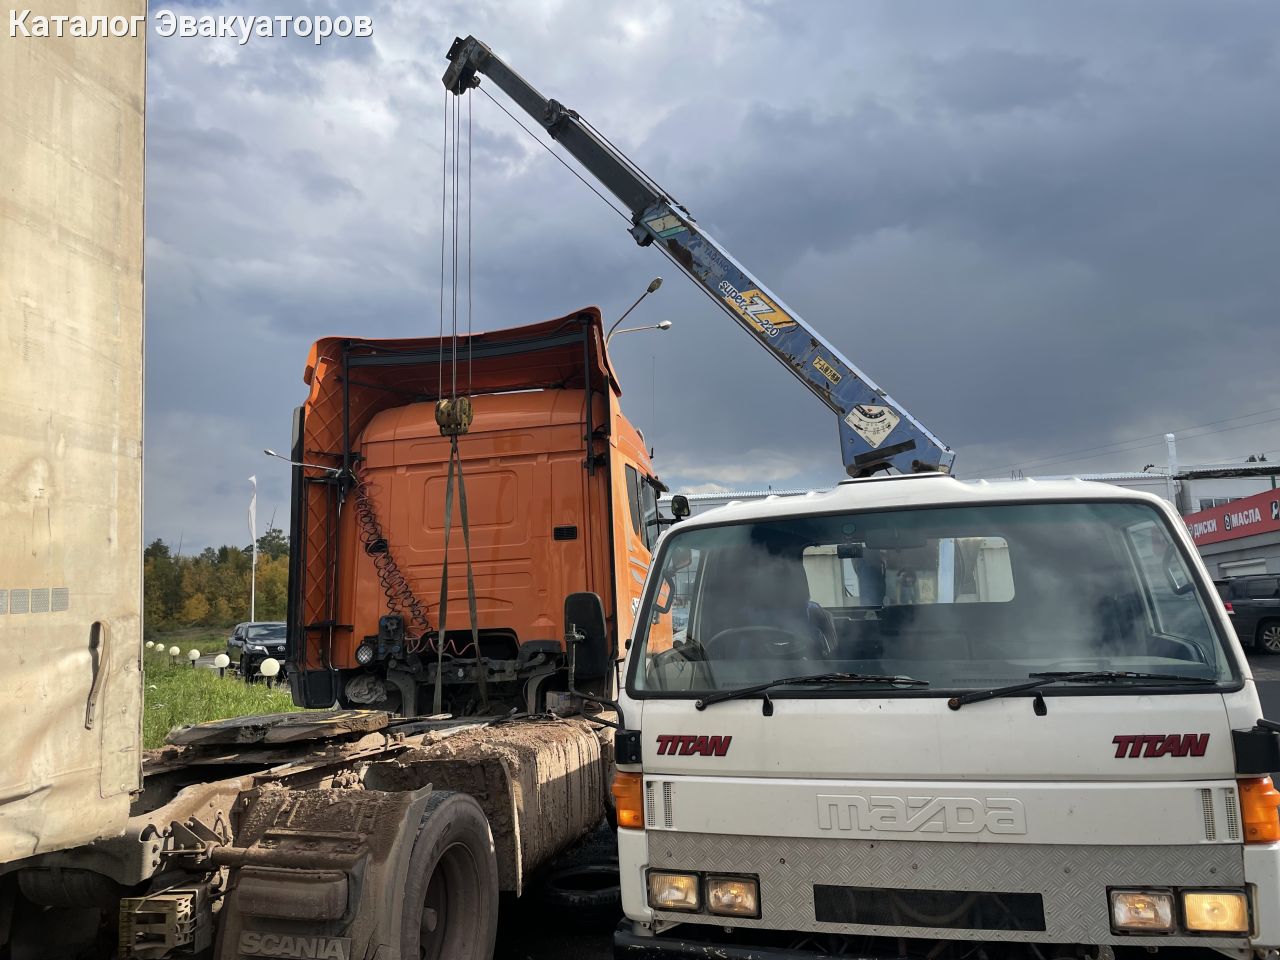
[(204, 639), (179, 694)]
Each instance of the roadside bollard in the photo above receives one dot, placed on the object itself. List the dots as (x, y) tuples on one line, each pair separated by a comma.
[(173, 655), (193, 656), (151, 644), (269, 668), (221, 661)]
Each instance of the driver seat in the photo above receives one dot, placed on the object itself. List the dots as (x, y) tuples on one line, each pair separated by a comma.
[(752, 587)]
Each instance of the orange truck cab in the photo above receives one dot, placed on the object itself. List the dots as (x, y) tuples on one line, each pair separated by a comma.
[(560, 495)]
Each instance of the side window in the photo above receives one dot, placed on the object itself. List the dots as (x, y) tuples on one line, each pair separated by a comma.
[(648, 514), (633, 498), (1264, 588), (1176, 614), (675, 600)]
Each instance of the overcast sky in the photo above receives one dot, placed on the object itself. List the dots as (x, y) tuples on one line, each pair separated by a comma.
[(1044, 227)]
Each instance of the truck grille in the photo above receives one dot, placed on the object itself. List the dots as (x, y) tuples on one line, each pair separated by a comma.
[(1226, 811), (657, 802), (1206, 802)]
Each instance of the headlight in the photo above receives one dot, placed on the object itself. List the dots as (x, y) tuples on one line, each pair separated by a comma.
[(674, 891), (1216, 911), (1141, 911), (364, 654), (733, 896), (255, 648)]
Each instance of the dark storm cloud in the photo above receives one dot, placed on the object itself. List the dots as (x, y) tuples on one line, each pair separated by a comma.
[(1040, 226), (997, 81)]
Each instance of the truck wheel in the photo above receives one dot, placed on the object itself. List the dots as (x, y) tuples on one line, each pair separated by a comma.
[(451, 892), (1269, 636)]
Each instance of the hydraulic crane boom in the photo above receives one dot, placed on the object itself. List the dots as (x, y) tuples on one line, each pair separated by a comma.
[(875, 432)]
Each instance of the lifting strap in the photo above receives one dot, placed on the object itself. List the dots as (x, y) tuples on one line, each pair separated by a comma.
[(454, 417)]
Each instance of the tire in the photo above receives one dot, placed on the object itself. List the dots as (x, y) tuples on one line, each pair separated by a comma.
[(1268, 637), (451, 892), (587, 895), (582, 885)]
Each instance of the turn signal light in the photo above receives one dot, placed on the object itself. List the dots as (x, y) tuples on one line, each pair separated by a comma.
[(1259, 810), (1216, 911), (628, 800)]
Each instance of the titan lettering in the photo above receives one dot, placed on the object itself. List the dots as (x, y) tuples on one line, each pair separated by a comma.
[(686, 745), (1161, 745), (1003, 815)]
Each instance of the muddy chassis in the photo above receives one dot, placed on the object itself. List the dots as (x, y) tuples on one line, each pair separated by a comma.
[(331, 834)]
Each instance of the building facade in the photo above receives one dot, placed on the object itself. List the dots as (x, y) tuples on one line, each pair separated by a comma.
[(1239, 537)]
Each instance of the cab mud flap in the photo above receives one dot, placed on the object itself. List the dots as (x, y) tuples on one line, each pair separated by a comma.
[(313, 874)]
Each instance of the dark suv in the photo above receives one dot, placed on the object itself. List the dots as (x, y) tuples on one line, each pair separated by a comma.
[(1254, 604), (261, 640)]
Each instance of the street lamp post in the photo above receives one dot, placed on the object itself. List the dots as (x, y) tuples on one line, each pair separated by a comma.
[(654, 284), (660, 325), (253, 546)]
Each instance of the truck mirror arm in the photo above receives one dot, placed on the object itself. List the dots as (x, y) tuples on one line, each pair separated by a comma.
[(571, 640)]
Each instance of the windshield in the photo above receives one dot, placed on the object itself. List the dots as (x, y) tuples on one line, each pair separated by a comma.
[(267, 632), (961, 597)]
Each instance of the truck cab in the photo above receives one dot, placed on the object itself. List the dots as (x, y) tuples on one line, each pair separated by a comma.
[(919, 716), (560, 495)]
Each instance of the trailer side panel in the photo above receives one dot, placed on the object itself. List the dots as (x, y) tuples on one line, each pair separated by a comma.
[(71, 230)]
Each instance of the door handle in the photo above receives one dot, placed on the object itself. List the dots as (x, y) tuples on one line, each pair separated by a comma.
[(97, 657)]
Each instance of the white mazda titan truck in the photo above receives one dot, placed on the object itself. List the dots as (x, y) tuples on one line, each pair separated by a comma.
[(920, 717)]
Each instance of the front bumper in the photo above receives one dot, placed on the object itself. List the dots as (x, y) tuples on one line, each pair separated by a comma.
[(1067, 882), (629, 946)]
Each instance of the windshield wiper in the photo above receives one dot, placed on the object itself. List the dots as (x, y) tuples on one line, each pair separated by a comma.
[(1048, 677), (822, 679)]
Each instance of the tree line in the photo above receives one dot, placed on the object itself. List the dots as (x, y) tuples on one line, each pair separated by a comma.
[(211, 588)]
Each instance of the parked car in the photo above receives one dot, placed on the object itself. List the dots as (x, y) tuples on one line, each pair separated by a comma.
[(236, 640), (261, 640), (1254, 604)]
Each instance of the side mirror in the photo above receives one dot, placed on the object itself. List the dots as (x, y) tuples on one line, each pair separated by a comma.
[(680, 506), (586, 634)]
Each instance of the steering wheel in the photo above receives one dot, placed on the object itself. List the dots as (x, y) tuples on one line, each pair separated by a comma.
[(766, 643)]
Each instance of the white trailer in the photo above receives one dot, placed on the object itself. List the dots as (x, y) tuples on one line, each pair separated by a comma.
[(71, 155), (326, 834)]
